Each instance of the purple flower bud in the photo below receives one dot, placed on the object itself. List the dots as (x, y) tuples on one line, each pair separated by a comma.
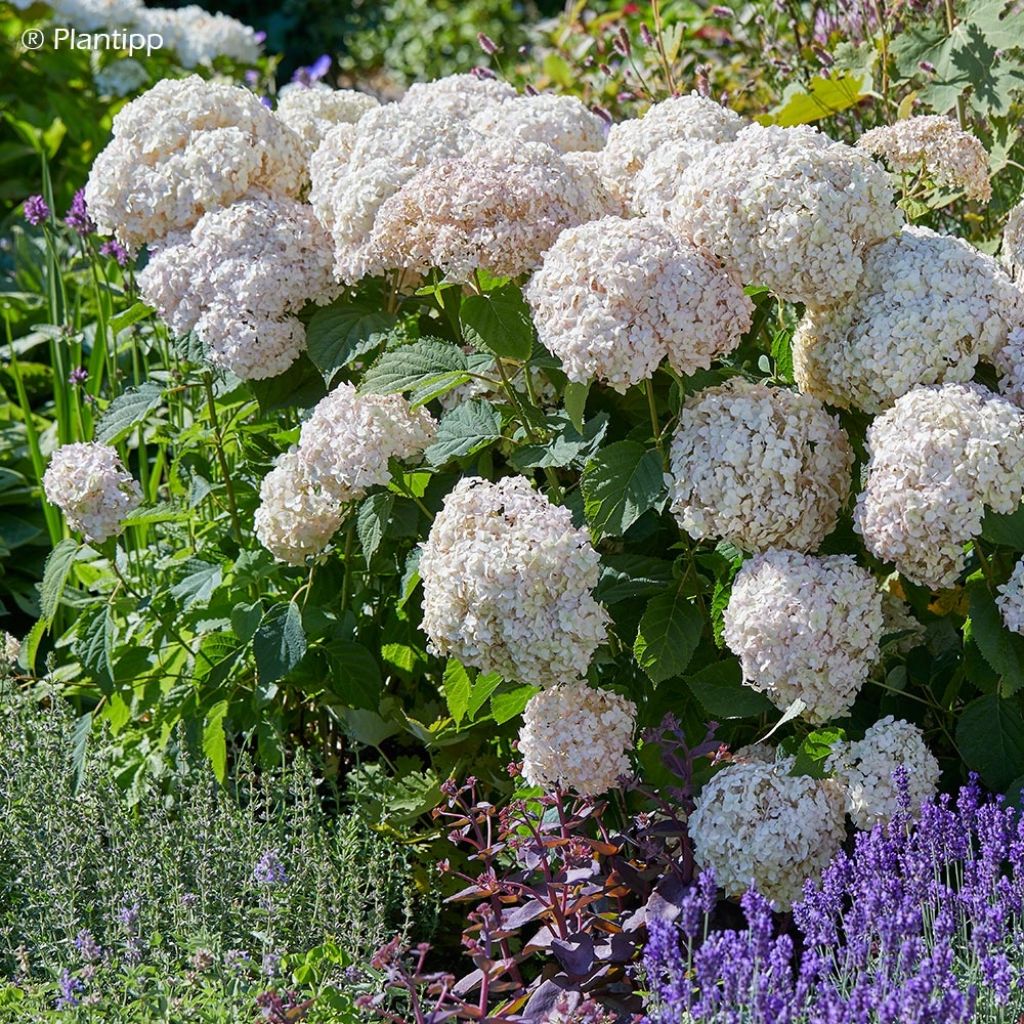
[(36, 210), (115, 250), (646, 35), (78, 215), (927, 67), (79, 375), (480, 72), (252, 77), (605, 115), (720, 11), (269, 870), (622, 44), (260, 37), (487, 44), (531, 91)]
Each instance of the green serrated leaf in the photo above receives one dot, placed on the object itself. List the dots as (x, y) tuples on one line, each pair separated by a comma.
[(132, 315), (505, 706), (300, 387), (457, 688), (215, 745), (620, 484), (427, 369), (372, 521), (721, 692), (355, 674), (94, 646), (575, 401), (201, 579), (1003, 650), (990, 736), (499, 321), (127, 411), (340, 333), (669, 632), (279, 644), (1005, 530), (464, 430), (55, 576)]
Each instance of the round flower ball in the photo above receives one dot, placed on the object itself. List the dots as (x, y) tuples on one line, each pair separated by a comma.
[(294, 519), (561, 122), (312, 111), (460, 96), (790, 208), (1011, 600), (691, 122), (507, 584), (497, 208), (656, 183), (239, 278), (755, 824), (1009, 361), (577, 738), (758, 466), (615, 297), (805, 628), (1012, 250), (184, 147), (345, 445), (937, 459), (88, 482), (926, 308), (359, 166), (865, 770)]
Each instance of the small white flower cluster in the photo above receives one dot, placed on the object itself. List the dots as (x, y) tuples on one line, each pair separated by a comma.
[(614, 297), (9, 653), (1009, 361), (898, 617), (198, 37), (507, 583), (687, 123), (758, 466), (756, 824), (805, 628), (927, 307), (1011, 599), (120, 77), (577, 738), (496, 208), (656, 184), (90, 485), (936, 146), (239, 279), (186, 147), (91, 15), (357, 167), (1012, 251), (789, 208), (865, 769), (459, 96), (345, 445), (312, 111), (561, 122), (938, 458), (294, 520)]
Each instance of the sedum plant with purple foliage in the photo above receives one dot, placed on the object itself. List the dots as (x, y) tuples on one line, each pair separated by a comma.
[(923, 921)]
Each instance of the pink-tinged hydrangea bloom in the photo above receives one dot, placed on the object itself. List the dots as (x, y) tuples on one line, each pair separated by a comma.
[(1011, 599)]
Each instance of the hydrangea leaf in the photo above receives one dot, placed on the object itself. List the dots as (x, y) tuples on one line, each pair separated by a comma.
[(55, 576), (215, 745), (1007, 530), (279, 644), (721, 692), (1003, 650), (463, 431), (372, 522), (342, 332), (356, 674), (427, 369), (619, 485), (499, 321), (670, 630), (990, 736), (127, 411)]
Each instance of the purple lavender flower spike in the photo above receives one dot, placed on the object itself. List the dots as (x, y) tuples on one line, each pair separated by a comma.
[(78, 217), (36, 210), (312, 72)]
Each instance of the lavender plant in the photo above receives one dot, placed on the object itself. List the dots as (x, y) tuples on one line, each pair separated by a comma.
[(921, 921)]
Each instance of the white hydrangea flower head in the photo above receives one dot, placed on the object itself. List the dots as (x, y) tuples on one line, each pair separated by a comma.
[(615, 297), (186, 147), (312, 112), (358, 167), (1012, 251), (496, 208), (239, 278), (91, 15), (691, 122), (197, 36), (927, 307), (561, 122), (1011, 600), (755, 824), (806, 628), (294, 520), (949, 156), (790, 208), (938, 458), (865, 770), (507, 584), (759, 752), (89, 484), (1009, 361), (577, 738), (120, 77), (459, 96), (345, 445), (761, 467), (9, 653), (586, 165), (656, 184)]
